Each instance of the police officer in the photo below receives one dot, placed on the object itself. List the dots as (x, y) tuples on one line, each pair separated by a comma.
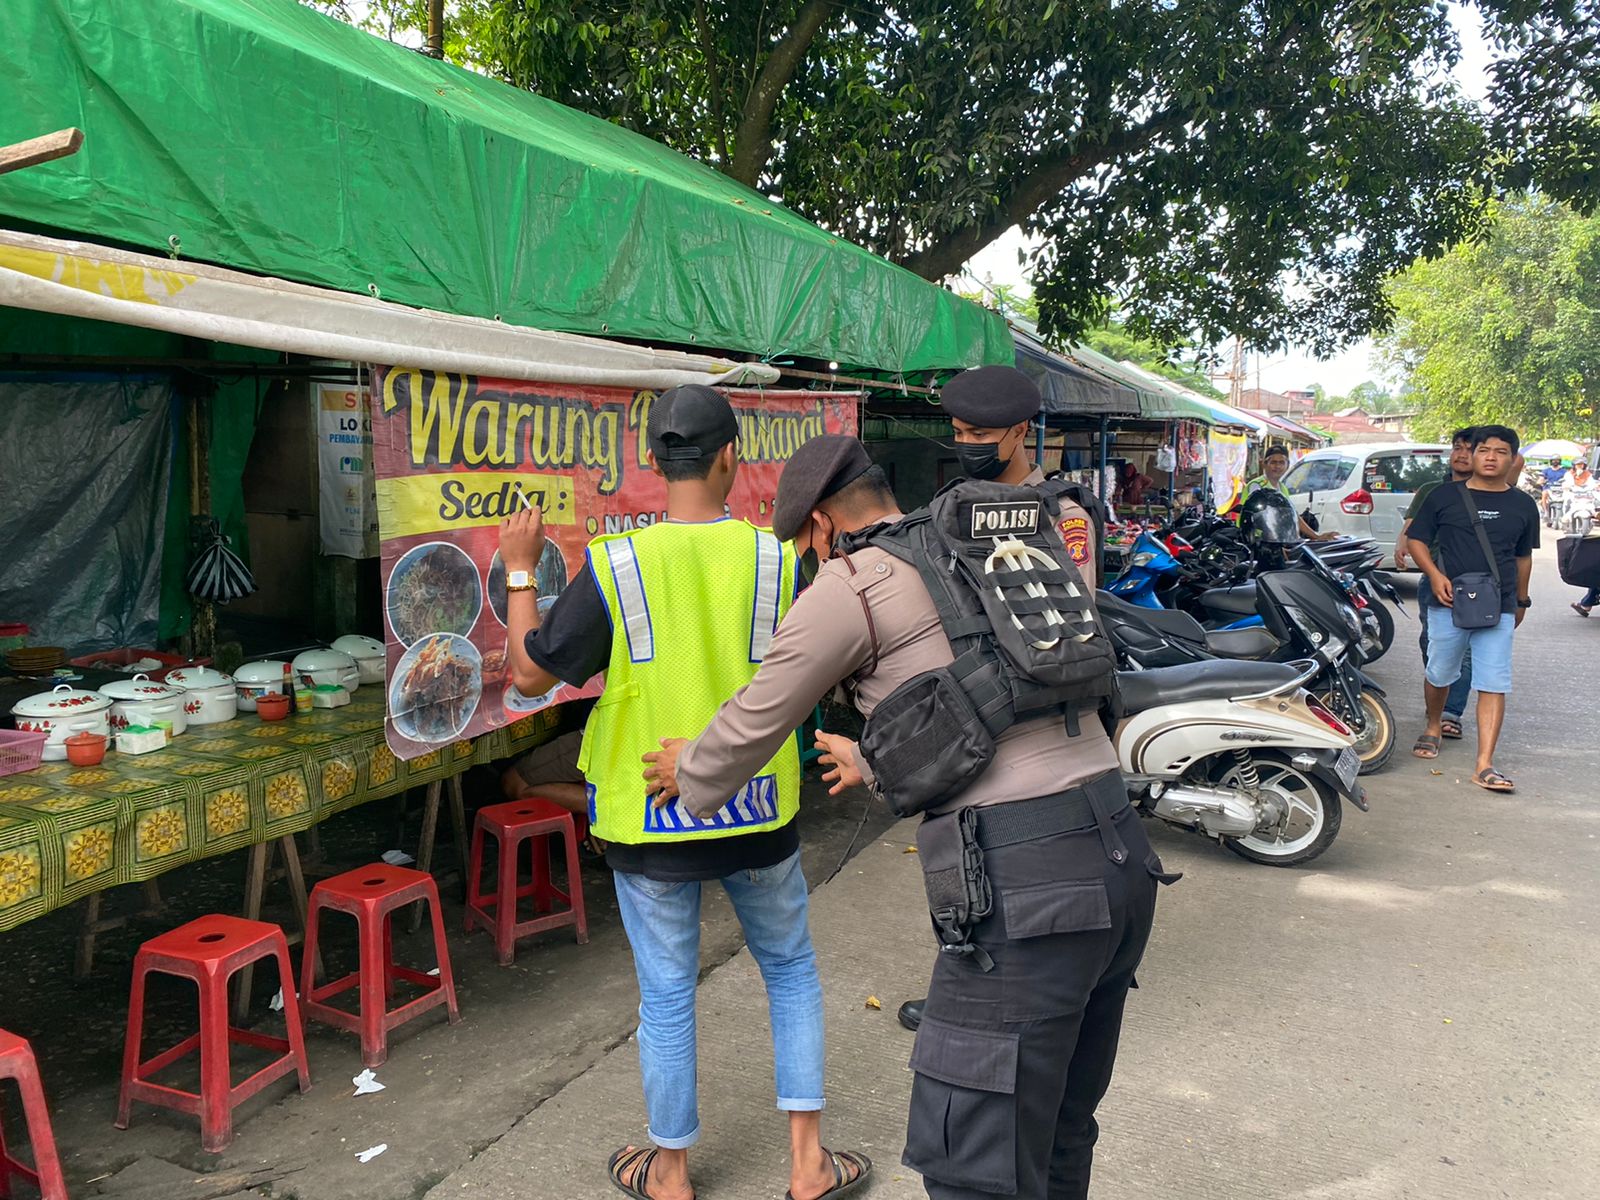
[(1018, 1041), (992, 410)]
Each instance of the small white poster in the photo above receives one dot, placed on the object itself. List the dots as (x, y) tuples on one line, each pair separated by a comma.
[(344, 468)]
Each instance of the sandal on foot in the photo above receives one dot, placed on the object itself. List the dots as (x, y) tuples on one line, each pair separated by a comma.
[(1491, 780), (843, 1183), (1581, 609), (1427, 746), (1450, 728), (641, 1159)]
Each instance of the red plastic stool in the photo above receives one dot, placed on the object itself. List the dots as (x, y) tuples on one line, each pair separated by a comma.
[(209, 951), (372, 895), (17, 1062), (511, 825)]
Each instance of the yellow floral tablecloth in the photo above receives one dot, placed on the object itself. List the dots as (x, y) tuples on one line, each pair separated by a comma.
[(67, 831)]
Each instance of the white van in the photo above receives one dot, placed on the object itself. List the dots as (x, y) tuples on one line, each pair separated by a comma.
[(1365, 490)]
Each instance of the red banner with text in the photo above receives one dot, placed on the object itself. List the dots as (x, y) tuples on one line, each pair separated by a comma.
[(455, 454)]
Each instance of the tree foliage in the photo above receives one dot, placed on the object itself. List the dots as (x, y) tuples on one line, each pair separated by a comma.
[(1506, 328), (1216, 167)]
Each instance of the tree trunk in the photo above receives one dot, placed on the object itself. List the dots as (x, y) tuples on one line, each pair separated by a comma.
[(435, 28), (752, 144), (1049, 177)]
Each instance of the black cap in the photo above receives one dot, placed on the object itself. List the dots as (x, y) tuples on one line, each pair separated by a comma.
[(817, 470), (991, 397), (690, 422)]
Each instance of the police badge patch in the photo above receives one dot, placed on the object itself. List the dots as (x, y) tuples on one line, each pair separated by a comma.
[(1075, 536)]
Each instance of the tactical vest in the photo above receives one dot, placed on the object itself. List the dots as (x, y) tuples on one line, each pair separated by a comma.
[(693, 609), (1022, 626)]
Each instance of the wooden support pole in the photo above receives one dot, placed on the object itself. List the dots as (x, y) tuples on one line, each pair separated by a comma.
[(31, 153)]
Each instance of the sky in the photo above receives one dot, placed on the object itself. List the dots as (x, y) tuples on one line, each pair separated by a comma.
[(1296, 368)]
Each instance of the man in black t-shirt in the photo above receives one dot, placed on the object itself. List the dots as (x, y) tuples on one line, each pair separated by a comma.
[(1510, 520)]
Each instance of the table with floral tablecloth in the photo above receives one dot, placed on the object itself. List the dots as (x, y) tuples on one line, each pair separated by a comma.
[(66, 831)]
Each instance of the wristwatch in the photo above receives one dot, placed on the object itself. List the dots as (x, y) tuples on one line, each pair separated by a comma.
[(520, 581), (1524, 602)]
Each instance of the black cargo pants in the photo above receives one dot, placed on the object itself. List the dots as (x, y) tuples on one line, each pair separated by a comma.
[(1011, 1063)]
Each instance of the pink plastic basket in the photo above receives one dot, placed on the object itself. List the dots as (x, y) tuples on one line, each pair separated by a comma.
[(20, 752)]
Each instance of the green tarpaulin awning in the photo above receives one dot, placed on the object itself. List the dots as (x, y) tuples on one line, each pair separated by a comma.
[(263, 136)]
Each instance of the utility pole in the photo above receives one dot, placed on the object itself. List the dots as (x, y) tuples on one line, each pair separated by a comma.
[(435, 28), (1236, 375)]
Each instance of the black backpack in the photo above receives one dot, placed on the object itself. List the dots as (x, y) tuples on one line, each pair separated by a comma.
[(1022, 625)]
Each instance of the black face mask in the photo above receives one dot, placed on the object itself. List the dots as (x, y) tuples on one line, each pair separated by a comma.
[(810, 561), (981, 460), (809, 565)]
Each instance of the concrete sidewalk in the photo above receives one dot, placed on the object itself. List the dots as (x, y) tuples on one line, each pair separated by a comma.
[(873, 939)]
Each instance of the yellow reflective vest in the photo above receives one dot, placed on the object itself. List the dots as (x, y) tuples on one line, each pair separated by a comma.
[(693, 608)]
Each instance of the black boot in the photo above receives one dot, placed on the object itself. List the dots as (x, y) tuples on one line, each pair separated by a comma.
[(911, 1014)]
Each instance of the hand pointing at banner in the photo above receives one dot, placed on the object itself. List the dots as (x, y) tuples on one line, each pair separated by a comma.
[(522, 539)]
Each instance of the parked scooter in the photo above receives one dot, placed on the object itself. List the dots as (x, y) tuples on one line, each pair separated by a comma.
[(1302, 616), (1240, 752)]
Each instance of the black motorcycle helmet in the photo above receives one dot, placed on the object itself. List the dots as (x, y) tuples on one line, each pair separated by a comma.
[(1269, 522)]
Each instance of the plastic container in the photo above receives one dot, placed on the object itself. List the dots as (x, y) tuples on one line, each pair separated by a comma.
[(86, 749), (302, 701), (20, 752), (13, 635), (273, 706), (141, 739)]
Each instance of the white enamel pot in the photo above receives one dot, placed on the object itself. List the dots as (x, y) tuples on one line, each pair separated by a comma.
[(317, 667), (62, 713), (143, 701), (257, 679), (369, 654), (209, 697)]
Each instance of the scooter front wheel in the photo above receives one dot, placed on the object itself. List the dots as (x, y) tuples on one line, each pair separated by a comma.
[(1385, 630), (1312, 820), (1375, 742)]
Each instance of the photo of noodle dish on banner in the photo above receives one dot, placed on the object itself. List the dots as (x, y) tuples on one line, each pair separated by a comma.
[(455, 454)]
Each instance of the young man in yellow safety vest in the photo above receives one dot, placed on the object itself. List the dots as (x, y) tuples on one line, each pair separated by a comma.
[(679, 615)]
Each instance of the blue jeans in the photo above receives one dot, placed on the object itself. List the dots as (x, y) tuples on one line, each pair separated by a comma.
[(1455, 704), (663, 925)]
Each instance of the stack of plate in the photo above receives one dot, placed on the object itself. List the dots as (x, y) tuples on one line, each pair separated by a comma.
[(36, 660)]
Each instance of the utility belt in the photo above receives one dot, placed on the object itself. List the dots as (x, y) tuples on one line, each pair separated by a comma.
[(951, 848)]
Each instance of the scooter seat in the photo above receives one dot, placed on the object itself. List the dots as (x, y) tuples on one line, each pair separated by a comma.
[(1163, 620), (1251, 642), (1239, 601), (1221, 679)]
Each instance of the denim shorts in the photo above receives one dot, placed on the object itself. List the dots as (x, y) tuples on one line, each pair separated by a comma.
[(1491, 651)]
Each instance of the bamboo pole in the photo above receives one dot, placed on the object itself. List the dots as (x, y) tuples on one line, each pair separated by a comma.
[(34, 151)]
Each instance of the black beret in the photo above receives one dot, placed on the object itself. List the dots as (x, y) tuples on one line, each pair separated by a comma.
[(991, 397), (817, 470)]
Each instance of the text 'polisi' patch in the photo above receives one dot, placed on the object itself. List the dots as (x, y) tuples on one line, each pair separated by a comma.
[(1008, 517)]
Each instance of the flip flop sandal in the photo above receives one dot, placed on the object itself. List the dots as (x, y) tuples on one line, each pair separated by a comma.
[(639, 1157), (1427, 746), (1491, 780), (843, 1185), (1580, 610), (1451, 729)]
